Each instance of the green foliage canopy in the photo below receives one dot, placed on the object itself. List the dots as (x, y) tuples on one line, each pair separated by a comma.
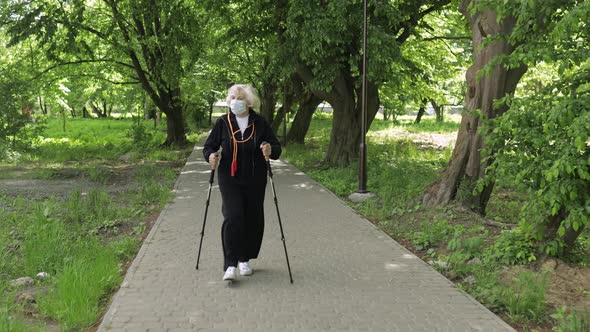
[(544, 140)]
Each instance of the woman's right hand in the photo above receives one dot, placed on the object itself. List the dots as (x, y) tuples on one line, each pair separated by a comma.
[(213, 160)]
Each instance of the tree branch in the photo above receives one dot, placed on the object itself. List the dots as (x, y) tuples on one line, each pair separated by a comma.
[(101, 78), (413, 20), (306, 76), (46, 70), (447, 38), (145, 83)]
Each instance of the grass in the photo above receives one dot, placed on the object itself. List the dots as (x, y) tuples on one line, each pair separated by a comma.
[(83, 237), (526, 299), (75, 299), (570, 320), (399, 170), (426, 125)]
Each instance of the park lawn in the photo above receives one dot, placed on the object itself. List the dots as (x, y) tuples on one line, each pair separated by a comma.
[(496, 266), (78, 207)]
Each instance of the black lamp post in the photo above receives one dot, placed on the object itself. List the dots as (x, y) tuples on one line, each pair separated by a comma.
[(363, 146)]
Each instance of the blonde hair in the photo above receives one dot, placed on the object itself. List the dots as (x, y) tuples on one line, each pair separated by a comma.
[(246, 91)]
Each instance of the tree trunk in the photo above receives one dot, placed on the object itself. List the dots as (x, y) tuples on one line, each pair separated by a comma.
[(278, 119), (438, 110), (421, 112), (96, 109), (345, 139), (157, 116), (466, 166), (283, 110), (211, 103), (268, 99), (552, 230), (172, 107), (105, 109), (42, 105), (307, 106)]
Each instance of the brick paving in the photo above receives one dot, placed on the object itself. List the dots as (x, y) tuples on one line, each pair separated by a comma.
[(348, 275)]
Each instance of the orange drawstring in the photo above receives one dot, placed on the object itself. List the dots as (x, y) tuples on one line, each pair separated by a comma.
[(234, 162)]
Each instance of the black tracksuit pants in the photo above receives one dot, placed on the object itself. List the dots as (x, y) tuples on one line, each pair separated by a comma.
[(243, 221)]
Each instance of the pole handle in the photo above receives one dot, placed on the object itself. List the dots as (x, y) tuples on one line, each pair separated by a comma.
[(267, 158), (212, 176)]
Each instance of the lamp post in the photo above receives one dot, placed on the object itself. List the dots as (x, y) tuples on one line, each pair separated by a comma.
[(363, 146)]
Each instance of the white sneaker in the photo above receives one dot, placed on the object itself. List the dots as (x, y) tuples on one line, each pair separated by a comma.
[(245, 269), (230, 273)]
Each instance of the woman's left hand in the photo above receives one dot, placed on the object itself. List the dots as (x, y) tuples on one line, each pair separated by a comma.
[(265, 148)]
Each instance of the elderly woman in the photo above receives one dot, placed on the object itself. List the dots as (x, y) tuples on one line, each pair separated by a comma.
[(247, 141)]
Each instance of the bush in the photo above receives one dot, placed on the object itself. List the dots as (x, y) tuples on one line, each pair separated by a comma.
[(542, 142), (512, 247), (17, 130), (431, 234)]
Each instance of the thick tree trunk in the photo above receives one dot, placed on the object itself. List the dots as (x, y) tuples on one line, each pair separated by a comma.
[(345, 138), (307, 106), (175, 130), (175, 133), (466, 166)]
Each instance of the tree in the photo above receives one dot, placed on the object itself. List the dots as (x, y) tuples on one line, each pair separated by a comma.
[(308, 103), (466, 167), (434, 60), (325, 41), (543, 141), (148, 42), (18, 126), (250, 46)]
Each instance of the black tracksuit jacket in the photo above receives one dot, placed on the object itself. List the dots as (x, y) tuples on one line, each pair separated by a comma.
[(251, 163)]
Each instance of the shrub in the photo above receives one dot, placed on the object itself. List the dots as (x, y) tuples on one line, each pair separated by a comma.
[(512, 247)]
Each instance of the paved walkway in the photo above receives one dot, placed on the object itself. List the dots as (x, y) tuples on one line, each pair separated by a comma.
[(348, 275)]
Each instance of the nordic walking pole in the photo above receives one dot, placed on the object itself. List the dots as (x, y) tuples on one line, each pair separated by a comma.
[(205, 218), (274, 193)]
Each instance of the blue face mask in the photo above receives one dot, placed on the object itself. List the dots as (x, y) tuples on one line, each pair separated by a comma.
[(238, 107)]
